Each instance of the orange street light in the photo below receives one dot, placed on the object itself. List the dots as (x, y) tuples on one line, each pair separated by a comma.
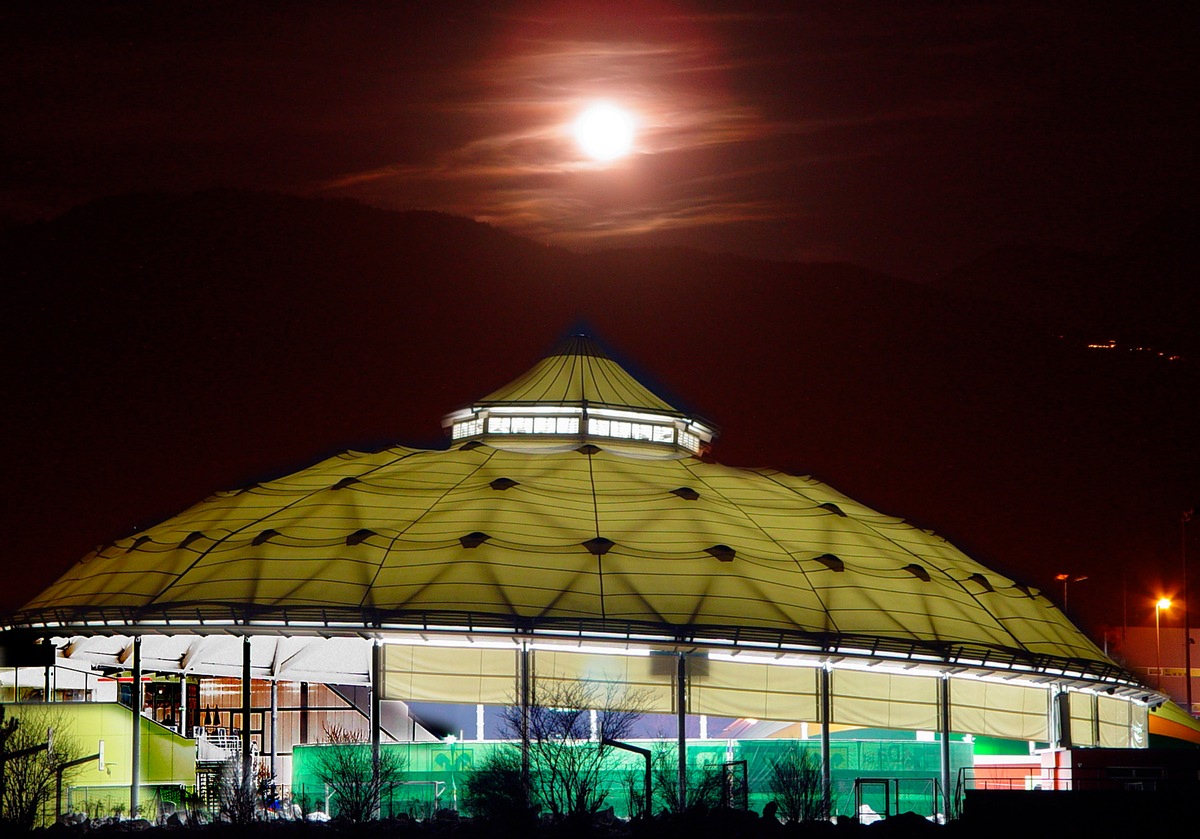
[(1069, 578), (1161, 606)]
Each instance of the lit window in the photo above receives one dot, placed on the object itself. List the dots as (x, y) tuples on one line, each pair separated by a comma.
[(642, 431), (689, 441), (624, 430), (543, 425), (664, 434), (499, 425), (467, 429), (567, 425), (599, 427), (522, 425)]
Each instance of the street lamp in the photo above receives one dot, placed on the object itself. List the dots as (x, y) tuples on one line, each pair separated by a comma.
[(1162, 605), (1187, 605), (1069, 578)]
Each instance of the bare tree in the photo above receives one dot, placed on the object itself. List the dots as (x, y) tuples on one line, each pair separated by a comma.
[(31, 763), (241, 795), (344, 764), (495, 791), (565, 757), (795, 783), (704, 786)]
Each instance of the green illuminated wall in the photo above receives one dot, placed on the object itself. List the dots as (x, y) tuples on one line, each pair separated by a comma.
[(916, 764)]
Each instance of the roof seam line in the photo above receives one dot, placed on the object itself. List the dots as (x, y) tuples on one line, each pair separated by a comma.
[(757, 526), (411, 524), (248, 525)]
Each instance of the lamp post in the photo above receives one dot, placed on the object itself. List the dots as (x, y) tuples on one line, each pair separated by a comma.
[(1069, 578), (1187, 605), (1159, 607)]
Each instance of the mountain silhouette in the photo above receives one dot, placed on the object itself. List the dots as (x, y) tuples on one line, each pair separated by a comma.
[(1142, 293)]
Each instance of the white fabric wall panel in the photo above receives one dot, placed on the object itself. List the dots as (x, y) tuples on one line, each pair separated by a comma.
[(757, 691), (620, 681), (884, 700), (1083, 719), (993, 709), (449, 674), (1117, 723)]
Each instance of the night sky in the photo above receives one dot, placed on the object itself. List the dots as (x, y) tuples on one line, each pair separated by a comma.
[(908, 138)]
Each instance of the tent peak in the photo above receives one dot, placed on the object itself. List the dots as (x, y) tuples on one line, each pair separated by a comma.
[(578, 395)]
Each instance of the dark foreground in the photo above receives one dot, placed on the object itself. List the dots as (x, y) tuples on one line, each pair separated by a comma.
[(1001, 815)]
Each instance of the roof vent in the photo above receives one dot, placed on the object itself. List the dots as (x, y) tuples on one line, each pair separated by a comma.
[(248, 488), (588, 449), (502, 484), (599, 546), (344, 482), (191, 537), (686, 493), (833, 508), (264, 536), (1024, 589), (469, 445), (359, 536), (722, 552), (831, 562), (917, 571), (137, 543), (473, 540), (982, 581)]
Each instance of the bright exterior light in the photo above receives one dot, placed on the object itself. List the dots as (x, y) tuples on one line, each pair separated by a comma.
[(1163, 603)]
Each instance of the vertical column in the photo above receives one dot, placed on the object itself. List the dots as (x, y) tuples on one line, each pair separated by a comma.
[(274, 728), (183, 706), (246, 713), (826, 765), (304, 712), (524, 694), (1061, 716), (944, 725), (681, 711), (135, 699), (376, 723)]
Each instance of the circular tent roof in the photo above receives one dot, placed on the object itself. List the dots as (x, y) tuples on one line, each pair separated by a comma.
[(571, 502)]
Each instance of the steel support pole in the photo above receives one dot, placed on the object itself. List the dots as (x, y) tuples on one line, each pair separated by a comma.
[(826, 768), (525, 696), (135, 699), (944, 725), (376, 723), (1187, 605), (274, 727), (183, 706), (681, 712), (246, 751)]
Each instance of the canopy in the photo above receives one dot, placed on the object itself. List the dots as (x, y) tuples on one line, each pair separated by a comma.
[(588, 528)]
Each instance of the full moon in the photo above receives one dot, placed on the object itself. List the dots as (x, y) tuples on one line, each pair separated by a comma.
[(604, 132)]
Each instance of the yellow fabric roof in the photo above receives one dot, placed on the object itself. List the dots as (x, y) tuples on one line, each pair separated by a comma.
[(594, 539), (578, 372), (384, 534)]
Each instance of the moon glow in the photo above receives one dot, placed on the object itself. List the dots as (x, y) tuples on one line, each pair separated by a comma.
[(604, 132)]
